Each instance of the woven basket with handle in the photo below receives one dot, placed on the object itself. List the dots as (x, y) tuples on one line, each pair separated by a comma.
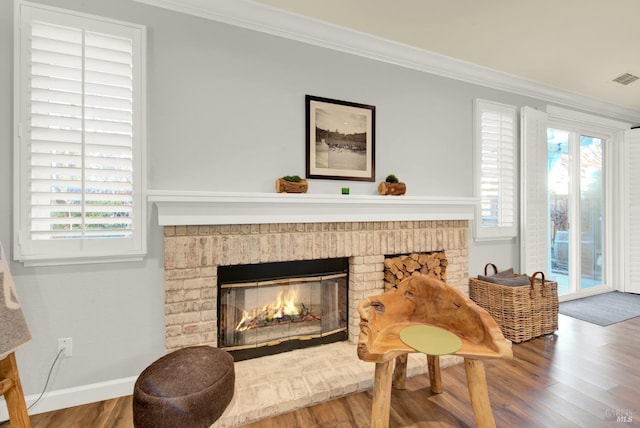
[(522, 312)]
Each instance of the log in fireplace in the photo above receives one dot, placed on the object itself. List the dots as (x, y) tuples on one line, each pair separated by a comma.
[(269, 308)]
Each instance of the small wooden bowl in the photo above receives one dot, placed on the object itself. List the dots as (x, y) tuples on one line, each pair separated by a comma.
[(284, 186), (385, 188)]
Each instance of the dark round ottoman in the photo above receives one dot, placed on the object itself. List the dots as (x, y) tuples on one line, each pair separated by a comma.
[(190, 387)]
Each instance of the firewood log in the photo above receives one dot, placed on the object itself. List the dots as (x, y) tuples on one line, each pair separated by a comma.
[(401, 267)]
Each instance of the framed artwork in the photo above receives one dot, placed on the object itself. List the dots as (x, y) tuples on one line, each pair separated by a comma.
[(340, 139)]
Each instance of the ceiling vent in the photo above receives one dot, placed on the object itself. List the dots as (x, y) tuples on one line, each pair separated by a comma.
[(626, 78)]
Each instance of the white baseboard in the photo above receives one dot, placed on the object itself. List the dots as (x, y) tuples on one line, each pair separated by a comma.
[(69, 397)]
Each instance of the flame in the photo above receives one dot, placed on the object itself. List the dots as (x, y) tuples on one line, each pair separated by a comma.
[(284, 305)]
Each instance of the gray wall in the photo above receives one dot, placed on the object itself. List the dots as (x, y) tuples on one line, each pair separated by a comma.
[(226, 112)]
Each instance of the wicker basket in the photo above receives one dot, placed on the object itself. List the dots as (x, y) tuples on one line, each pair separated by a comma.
[(522, 312)]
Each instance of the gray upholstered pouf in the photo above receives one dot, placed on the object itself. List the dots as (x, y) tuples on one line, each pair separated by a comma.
[(188, 388)]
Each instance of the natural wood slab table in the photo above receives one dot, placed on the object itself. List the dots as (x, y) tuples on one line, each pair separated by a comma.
[(423, 314)]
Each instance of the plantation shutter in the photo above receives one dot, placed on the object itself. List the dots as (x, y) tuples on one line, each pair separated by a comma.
[(81, 134), (497, 172), (534, 234), (632, 284), (80, 139)]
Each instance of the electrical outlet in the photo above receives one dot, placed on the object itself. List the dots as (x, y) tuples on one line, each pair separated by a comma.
[(66, 345)]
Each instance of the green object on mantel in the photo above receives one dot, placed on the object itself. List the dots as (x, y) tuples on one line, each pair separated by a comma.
[(430, 340)]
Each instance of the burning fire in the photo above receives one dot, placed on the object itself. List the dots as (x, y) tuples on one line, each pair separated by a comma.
[(285, 306)]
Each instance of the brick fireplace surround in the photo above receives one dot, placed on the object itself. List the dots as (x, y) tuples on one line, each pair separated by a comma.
[(193, 253), (205, 230)]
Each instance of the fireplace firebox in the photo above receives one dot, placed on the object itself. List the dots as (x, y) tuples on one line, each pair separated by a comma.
[(269, 308)]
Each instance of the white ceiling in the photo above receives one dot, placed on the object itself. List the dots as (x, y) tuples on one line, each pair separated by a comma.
[(576, 45)]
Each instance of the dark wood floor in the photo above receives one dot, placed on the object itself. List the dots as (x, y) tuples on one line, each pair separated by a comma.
[(582, 376)]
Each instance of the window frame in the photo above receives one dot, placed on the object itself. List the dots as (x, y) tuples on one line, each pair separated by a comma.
[(80, 250), (482, 232)]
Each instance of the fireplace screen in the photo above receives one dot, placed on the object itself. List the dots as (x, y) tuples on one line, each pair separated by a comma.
[(272, 315)]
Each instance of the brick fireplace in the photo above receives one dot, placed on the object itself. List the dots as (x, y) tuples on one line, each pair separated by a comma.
[(205, 231)]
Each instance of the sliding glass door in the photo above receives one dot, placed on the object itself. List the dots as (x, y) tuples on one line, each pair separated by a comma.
[(576, 209)]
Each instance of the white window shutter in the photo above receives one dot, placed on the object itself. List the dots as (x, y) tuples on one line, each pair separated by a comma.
[(496, 170), (534, 226), (81, 134), (633, 209), (81, 143)]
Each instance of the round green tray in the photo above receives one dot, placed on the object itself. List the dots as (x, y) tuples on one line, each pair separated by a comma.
[(430, 340)]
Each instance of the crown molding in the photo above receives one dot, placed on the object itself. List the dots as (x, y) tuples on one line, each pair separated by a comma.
[(266, 19)]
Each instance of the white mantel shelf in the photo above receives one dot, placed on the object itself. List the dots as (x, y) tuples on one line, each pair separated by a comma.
[(184, 208)]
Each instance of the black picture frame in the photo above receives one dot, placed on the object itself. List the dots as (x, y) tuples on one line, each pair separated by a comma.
[(340, 139)]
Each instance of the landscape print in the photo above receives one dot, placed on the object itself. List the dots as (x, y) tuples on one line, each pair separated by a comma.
[(340, 139)]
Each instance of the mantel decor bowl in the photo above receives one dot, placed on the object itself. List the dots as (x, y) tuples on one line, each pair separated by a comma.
[(397, 189), (284, 186)]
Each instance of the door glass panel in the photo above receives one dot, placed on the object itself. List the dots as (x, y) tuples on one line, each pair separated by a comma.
[(559, 184), (591, 211), (576, 209)]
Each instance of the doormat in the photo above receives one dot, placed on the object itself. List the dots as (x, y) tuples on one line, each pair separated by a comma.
[(603, 309)]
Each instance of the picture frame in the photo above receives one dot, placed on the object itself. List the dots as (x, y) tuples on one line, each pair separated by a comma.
[(340, 139)]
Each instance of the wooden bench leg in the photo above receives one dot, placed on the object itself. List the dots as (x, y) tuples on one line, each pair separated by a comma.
[(400, 372), (435, 379), (11, 387), (478, 393), (382, 395), (433, 364)]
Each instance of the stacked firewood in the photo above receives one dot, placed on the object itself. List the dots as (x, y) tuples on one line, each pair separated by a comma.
[(400, 267)]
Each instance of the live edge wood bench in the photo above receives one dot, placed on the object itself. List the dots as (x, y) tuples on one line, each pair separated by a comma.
[(422, 300)]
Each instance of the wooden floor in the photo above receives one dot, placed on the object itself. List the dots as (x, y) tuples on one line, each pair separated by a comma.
[(582, 376)]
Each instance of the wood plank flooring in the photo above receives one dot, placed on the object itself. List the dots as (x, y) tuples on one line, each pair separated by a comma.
[(582, 376)]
